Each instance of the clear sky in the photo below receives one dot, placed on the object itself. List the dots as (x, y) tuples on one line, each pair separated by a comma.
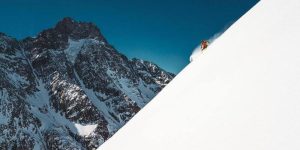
[(162, 31)]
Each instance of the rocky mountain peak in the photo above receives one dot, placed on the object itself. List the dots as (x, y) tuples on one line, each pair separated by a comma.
[(8, 44), (56, 38), (68, 88), (78, 30)]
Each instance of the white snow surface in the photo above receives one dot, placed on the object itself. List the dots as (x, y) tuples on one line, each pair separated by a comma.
[(242, 93), (85, 130)]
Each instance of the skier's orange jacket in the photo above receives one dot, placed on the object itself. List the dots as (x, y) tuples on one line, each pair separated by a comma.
[(204, 44)]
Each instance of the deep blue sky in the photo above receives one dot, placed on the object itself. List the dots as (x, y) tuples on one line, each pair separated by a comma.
[(162, 31)]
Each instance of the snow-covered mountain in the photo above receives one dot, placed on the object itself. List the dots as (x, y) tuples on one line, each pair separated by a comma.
[(68, 88), (241, 93)]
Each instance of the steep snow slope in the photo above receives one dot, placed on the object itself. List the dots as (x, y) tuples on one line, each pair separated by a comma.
[(242, 93)]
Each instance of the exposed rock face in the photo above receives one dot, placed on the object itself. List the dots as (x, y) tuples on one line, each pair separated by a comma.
[(68, 88)]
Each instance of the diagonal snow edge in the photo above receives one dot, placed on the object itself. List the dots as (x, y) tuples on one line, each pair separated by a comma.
[(241, 93)]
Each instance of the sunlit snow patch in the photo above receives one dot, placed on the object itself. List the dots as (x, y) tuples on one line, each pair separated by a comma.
[(85, 130), (75, 47)]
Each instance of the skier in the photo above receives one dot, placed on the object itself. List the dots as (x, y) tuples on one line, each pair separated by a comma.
[(204, 44)]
